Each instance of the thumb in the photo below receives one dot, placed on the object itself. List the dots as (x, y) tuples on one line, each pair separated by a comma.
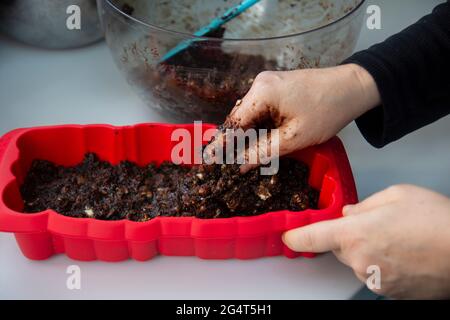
[(319, 237)]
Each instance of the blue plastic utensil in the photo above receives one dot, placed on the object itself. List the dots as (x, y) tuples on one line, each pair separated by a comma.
[(212, 26)]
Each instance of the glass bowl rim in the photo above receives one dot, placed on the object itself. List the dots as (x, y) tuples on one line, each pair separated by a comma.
[(191, 36)]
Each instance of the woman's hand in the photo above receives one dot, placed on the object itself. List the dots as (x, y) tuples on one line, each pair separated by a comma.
[(307, 106), (404, 230)]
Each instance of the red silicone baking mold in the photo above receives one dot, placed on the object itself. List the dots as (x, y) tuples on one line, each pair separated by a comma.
[(44, 234)]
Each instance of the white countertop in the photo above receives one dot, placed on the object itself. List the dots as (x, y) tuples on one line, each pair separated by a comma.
[(39, 87)]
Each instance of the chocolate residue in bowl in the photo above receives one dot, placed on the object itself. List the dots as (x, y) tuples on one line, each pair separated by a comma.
[(128, 9), (97, 189), (201, 82), (205, 83)]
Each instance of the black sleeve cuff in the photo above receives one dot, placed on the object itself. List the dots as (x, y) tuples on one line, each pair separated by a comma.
[(378, 126)]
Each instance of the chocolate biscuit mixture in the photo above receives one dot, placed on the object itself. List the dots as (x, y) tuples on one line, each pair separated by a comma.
[(97, 189)]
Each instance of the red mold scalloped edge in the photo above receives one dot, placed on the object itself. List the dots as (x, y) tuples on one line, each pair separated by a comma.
[(44, 234)]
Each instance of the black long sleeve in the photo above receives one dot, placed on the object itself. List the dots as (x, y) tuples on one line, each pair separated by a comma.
[(412, 72)]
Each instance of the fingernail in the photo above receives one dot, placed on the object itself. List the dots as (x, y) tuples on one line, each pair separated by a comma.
[(244, 169), (285, 238)]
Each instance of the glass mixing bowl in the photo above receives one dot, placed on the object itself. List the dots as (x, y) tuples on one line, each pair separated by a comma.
[(204, 81)]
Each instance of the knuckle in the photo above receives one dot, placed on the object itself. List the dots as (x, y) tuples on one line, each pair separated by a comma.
[(361, 276), (267, 77), (290, 132), (400, 190), (359, 266), (387, 289)]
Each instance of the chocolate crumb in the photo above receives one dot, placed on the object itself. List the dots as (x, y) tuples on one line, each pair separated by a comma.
[(127, 9), (97, 189)]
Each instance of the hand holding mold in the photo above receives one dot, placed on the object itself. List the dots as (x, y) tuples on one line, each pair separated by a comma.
[(402, 230)]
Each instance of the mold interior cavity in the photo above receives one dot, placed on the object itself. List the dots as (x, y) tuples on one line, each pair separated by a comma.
[(141, 144)]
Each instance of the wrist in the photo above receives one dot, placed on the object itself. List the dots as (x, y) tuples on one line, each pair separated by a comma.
[(355, 90), (367, 89)]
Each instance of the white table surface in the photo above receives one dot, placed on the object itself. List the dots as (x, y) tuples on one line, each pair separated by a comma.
[(39, 87)]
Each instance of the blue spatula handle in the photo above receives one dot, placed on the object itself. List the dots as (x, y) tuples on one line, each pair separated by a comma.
[(212, 26)]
